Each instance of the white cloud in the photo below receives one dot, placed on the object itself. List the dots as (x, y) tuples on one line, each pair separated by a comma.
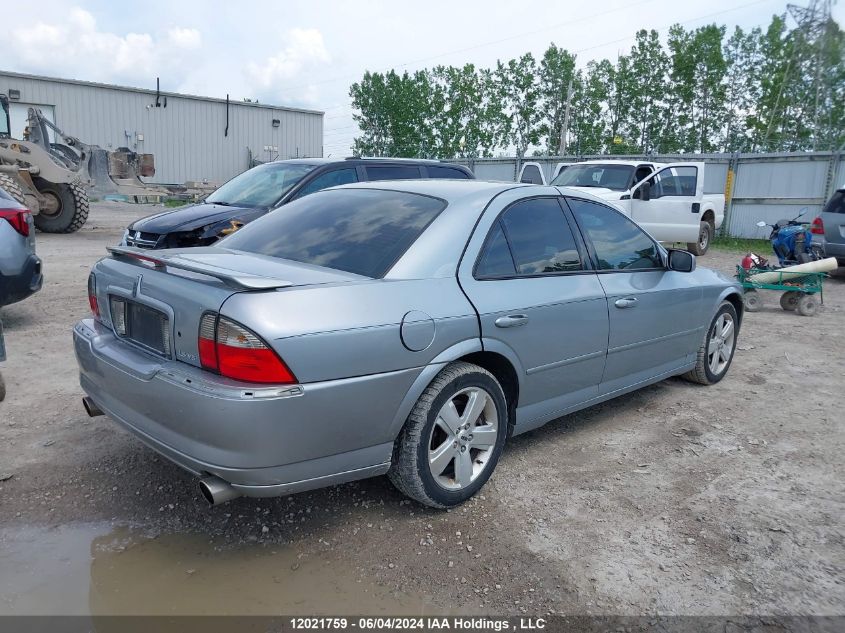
[(77, 48), (185, 38), (304, 49)]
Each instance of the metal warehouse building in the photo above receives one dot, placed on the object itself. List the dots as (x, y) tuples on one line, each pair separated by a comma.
[(192, 138)]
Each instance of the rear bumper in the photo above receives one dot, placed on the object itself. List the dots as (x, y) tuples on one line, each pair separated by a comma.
[(265, 441), (19, 286), (832, 249)]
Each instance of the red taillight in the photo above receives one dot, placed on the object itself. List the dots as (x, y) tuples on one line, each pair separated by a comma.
[(18, 218), (92, 295), (235, 352), (206, 344), (817, 227)]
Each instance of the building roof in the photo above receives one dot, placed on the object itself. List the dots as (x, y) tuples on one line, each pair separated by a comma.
[(163, 93)]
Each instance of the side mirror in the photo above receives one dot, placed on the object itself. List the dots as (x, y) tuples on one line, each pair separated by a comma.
[(761, 224), (681, 261), (645, 191)]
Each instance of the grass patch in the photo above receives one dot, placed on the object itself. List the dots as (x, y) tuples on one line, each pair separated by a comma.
[(176, 203), (741, 245)]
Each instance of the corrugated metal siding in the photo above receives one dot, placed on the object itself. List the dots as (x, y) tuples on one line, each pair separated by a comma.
[(780, 179), (187, 137)]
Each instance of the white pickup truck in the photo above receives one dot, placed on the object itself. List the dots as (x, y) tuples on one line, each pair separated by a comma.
[(667, 200)]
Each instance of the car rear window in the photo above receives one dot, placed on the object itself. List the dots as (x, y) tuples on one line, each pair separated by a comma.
[(836, 204), (447, 172), (361, 231), (393, 172)]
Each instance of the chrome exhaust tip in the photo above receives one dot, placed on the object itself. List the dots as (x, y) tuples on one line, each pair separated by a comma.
[(91, 407), (217, 491)]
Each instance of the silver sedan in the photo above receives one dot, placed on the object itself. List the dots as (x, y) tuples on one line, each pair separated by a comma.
[(406, 328)]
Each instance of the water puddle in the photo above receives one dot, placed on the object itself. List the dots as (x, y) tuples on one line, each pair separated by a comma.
[(96, 570)]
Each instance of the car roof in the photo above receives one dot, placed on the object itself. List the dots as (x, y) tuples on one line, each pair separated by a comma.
[(454, 190), (366, 160), (605, 161)]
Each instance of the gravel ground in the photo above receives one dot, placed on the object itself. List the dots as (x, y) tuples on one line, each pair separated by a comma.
[(677, 499)]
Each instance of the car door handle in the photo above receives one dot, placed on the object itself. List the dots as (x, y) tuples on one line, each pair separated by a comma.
[(512, 320), (627, 302)]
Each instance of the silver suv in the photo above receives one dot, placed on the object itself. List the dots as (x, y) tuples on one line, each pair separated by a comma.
[(20, 267), (831, 224)]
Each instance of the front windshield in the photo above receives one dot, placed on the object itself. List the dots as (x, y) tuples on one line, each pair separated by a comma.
[(260, 186), (615, 177)]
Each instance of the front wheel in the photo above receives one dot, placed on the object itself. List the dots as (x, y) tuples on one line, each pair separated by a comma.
[(65, 210), (453, 437), (705, 236), (717, 350)]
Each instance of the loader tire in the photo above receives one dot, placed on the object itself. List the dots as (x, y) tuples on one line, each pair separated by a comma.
[(72, 208), (12, 188)]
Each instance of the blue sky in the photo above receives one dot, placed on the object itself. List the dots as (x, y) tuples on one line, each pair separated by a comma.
[(307, 53)]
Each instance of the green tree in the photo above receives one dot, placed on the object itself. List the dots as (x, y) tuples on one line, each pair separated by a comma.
[(742, 88), (466, 124), (557, 70), (647, 91), (395, 113), (518, 91), (588, 106)]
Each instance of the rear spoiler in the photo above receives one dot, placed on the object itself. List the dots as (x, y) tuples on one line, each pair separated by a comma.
[(229, 277)]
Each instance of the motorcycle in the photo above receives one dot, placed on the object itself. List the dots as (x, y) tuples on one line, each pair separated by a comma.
[(792, 242)]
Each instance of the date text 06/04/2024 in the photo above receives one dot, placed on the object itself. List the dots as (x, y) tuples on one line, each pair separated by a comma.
[(418, 623)]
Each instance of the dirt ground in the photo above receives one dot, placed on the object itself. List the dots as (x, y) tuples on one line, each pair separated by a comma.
[(677, 499)]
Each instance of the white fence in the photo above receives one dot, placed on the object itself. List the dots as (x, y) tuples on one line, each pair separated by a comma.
[(757, 187)]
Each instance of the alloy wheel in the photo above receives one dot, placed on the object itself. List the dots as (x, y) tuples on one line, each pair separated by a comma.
[(721, 344), (463, 438)]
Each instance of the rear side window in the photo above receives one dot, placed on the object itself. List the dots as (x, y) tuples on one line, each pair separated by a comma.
[(836, 204), (495, 260), (619, 243), (360, 231), (329, 179), (446, 172), (540, 238), (536, 235), (393, 172)]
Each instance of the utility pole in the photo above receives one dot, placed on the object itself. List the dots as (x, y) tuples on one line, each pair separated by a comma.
[(564, 131)]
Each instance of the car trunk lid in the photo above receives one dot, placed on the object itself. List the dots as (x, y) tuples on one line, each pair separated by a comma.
[(156, 302)]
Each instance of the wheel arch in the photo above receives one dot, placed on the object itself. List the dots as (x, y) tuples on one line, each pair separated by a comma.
[(495, 358), (735, 298)]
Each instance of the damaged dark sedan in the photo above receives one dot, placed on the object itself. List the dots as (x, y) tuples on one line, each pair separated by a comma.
[(261, 189)]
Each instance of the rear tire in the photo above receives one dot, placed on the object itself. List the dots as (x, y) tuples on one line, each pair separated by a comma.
[(752, 300), (789, 300), (717, 349), (12, 188), (72, 208), (441, 468), (807, 305), (705, 236)]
